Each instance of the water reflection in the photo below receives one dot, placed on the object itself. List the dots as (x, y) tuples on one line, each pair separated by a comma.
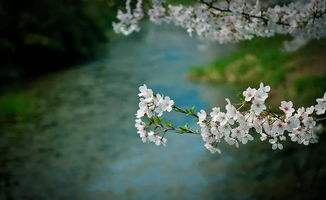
[(84, 145)]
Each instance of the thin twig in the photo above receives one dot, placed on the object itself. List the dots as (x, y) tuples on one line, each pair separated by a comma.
[(228, 10), (321, 119)]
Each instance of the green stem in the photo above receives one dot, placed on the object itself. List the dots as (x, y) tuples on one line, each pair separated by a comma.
[(183, 111)]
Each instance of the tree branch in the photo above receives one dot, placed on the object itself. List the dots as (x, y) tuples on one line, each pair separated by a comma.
[(247, 15)]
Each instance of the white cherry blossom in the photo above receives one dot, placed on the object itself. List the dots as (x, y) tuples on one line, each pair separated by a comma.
[(309, 122), (278, 127), (231, 110), (321, 105), (201, 116), (292, 123), (286, 107), (152, 136), (214, 113), (167, 104), (261, 95), (247, 137), (249, 93), (258, 106), (145, 92), (267, 127), (238, 133), (263, 137), (266, 88), (160, 141), (275, 144), (296, 134), (231, 141), (212, 149), (222, 118), (225, 129)]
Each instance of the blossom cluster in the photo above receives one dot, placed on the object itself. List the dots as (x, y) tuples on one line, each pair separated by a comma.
[(234, 126), (151, 106), (237, 123), (233, 20), (129, 20)]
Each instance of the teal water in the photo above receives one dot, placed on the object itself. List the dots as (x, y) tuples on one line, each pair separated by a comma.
[(83, 145)]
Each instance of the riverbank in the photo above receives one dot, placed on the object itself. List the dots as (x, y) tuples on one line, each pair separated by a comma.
[(83, 144), (299, 75)]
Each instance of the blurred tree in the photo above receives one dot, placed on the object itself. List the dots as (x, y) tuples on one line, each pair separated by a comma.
[(36, 33)]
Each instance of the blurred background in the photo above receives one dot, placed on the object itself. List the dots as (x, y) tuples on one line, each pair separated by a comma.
[(68, 94)]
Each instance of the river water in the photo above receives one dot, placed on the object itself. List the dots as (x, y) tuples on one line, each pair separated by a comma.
[(83, 145)]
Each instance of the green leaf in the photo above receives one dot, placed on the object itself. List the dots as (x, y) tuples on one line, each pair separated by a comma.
[(169, 124), (180, 130), (158, 120), (193, 109), (190, 111)]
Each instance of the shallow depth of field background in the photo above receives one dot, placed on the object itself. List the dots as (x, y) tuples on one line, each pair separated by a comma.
[(68, 94)]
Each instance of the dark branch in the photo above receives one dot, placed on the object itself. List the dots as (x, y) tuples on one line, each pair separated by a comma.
[(247, 15)]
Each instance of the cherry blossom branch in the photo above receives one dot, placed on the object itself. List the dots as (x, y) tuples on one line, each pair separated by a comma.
[(316, 14), (240, 20), (227, 10), (210, 5), (233, 126)]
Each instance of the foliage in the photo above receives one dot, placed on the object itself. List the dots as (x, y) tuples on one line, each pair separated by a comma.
[(16, 106), (255, 60), (302, 72), (310, 86), (36, 32)]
